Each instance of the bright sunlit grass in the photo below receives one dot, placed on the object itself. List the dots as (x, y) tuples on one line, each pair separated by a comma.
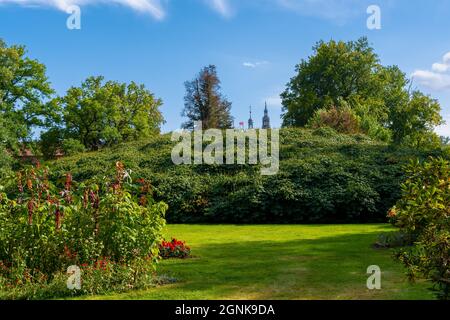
[(280, 262)]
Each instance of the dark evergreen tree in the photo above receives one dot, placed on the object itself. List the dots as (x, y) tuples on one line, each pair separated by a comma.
[(204, 102)]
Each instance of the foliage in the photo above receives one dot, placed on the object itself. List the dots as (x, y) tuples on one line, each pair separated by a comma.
[(425, 196), (423, 212), (337, 70), (324, 177), (98, 278), (204, 102), (96, 114), (50, 226), (174, 249), (5, 163), (343, 120), (51, 142), (8, 143), (99, 114), (24, 91), (445, 140), (414, 122), (24, 87), (71, 147), (55, 141), (351, 73)]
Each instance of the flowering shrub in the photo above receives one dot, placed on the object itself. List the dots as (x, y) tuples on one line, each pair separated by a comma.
[(174, 249), (49, 227), (423, 213)]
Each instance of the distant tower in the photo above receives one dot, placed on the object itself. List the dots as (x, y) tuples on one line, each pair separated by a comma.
[(266, 119), (250, 121)]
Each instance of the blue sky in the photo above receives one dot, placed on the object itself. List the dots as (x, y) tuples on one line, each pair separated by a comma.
[(255, 44)]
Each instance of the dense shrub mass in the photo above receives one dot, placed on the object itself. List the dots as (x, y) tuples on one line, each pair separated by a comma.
[(109, 227), (423, 213), (324, 177)]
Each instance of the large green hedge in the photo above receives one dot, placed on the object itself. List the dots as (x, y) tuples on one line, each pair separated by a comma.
[(324, 177)]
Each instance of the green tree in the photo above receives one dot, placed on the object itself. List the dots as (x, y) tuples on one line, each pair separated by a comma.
[(204, 102), (350, 74), (413, 123), (337, 71), (99, 114), (5, 141), (51, 142), (24, 94)]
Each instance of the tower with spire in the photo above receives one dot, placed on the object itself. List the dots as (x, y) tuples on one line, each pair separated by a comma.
[(266, 119), (250, 120)]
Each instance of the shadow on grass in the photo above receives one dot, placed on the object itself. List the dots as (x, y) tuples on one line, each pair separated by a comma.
[(324, 268)]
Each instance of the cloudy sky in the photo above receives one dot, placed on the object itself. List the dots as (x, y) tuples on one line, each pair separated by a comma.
[(254, 43)]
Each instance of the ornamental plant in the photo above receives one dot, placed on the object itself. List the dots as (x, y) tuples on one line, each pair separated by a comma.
[(174, 249), (50, 226), (342, 119), (424, 213)]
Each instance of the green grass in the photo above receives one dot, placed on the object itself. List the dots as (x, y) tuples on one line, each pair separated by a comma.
[(280, 262)]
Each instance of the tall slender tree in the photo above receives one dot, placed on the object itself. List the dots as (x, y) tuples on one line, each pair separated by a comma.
[(204, 102)]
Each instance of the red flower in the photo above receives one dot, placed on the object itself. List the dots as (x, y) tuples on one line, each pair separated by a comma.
[(174, 249)]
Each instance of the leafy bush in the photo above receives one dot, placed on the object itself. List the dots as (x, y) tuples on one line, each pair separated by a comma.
[(100, 277), (50, 226), (71, 147), (343, 120), (425, 196), (324, 177), (174, 249), (423, 213)]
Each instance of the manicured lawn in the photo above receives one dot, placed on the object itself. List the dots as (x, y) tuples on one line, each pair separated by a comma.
[(280, 262)]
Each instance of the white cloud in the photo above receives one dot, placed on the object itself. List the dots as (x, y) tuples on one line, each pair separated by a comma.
[(433, 80), (221, 6), (338, 10), (440, 67), (444, 66), (254, 65), (152, 7), (438, 78)]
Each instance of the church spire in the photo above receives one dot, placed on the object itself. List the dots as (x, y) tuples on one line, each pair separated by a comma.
[(266, 119), (250, 120)]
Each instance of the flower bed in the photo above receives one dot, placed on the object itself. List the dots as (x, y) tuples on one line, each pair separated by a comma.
[(174, 249)]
